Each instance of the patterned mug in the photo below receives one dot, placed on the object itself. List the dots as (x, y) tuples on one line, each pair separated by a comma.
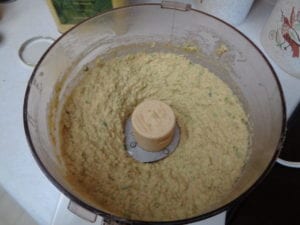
[(281, 36)]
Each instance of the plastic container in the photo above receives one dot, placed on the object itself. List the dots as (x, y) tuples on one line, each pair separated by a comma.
[(223, 49)]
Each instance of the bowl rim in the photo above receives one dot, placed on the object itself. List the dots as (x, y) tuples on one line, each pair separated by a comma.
[(109, 216)]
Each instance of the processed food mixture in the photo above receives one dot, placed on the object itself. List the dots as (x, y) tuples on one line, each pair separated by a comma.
[(208, 161)]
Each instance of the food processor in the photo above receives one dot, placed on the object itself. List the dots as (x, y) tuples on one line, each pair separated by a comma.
[(166, 27)]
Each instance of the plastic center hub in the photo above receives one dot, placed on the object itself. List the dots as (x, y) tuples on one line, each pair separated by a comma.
[(151, 132)]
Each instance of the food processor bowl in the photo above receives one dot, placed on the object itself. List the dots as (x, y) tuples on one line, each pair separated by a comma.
[(169, 27)]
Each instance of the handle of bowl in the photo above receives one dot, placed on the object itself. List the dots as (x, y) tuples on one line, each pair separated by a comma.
[(88, 215), (288, 163), (82, 212), (293, 124)]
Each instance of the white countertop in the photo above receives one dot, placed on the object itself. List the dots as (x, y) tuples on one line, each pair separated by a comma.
[(19, 173)]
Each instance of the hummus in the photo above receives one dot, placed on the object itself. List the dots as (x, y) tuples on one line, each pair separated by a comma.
[(208, 161)]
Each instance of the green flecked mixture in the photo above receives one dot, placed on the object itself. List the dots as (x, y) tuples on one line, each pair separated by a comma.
[(208, 161)]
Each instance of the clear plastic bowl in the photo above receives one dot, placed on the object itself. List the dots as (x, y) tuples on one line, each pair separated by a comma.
[(242, 66)]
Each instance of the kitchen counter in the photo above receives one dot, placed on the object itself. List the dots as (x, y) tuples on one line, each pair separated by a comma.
[(19, 173)]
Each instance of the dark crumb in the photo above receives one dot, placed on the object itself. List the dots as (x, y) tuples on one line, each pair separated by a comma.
[(85, 68)]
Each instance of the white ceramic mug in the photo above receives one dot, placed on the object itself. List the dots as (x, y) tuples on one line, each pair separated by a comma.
[(232, 11)]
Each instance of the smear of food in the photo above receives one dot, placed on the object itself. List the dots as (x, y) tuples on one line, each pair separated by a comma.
[(221, 50), (201, 172)]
